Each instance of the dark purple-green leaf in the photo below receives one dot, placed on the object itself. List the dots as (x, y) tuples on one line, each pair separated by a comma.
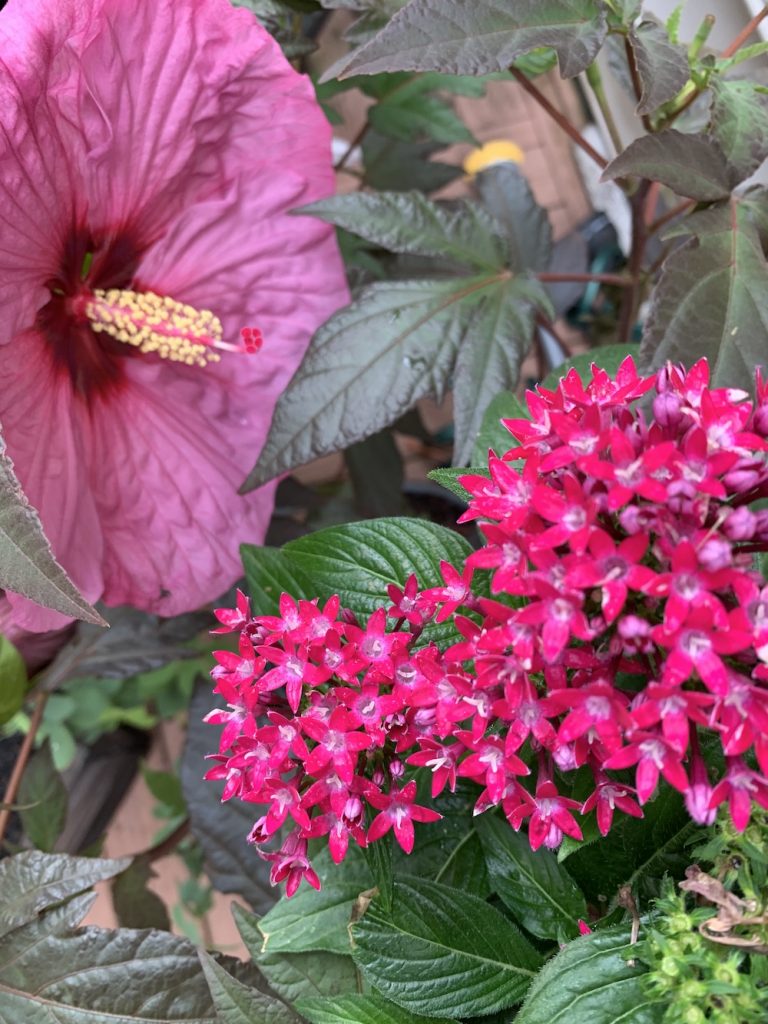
[(739, 125), (712, 300), (474, 37), (661, 65), (691, 165)]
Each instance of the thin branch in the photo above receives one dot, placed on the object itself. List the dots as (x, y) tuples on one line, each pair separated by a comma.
[(560, 118), (556, 278), (542, 321), (12, 789), (665, 218), (168, 845), (352, 146), (745, 33), (631, 300)]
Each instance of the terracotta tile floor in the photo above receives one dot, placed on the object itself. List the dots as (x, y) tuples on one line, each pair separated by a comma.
[(505, 112)]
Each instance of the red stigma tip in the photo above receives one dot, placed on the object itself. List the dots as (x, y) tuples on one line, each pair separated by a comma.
[(252, 339)]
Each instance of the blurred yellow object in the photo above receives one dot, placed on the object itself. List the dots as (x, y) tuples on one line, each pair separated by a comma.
[(497, 151)]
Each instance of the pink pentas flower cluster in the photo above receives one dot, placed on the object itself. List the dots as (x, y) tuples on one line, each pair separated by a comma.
[(625, 632)]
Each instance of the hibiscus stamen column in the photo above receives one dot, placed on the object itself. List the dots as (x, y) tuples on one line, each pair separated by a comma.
[(159, 325)]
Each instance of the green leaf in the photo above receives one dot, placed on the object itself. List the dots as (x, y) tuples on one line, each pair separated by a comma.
[(474, 38), (13, 680), (449, 478), (413, 113), (711, 299), (506, 194), (607, 357), (391, 164), (636, 852), (48, 972), (296, 975), (32, 881), (673, 23), (359, 1009), (165, 787), (27, 564), (441, 951), (408, 222), (312, 920), (539, 891), (43, 789), (661, 65), (236, 1003), (591, 980), (493, 434), (270, 573), (358, 560), (739, 125), (691, 165), (135, 905), (221, 829)]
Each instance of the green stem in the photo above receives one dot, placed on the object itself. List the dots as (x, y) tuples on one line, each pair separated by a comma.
[(702, 35), (595, 80)]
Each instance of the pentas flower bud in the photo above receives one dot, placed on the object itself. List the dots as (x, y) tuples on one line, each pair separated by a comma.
[(628, 624)]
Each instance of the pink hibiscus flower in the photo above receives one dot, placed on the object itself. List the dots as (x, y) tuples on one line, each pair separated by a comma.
[(151, 155)]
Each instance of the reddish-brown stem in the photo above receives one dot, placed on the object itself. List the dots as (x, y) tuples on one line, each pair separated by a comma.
[(560, 118), (355, 142), (167, 845), (12, 789), (549, 326), (556, 278), (745, 33), (631, 299), (676, 211)]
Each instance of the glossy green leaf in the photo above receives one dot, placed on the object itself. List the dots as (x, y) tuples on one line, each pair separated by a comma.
[(416, 113), (358, 560), (27, 564), (361, 1009), (43, 792), (313, 920), (221, 829), (296, 975), (591, 980), (408, 222), (662, 65), (443, 951), (711, 299), (493, 434), (540, 893), (32, 881), (739, 125), (486, 35), (270, 573), (691, 165), (13, 680), (449, 478), (236, 1003), (607, 357), (636, 852)]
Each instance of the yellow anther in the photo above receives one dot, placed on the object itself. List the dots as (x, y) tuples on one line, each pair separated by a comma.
[(157, 324)]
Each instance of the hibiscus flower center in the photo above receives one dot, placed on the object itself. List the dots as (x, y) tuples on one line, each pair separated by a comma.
[(93, 319)]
